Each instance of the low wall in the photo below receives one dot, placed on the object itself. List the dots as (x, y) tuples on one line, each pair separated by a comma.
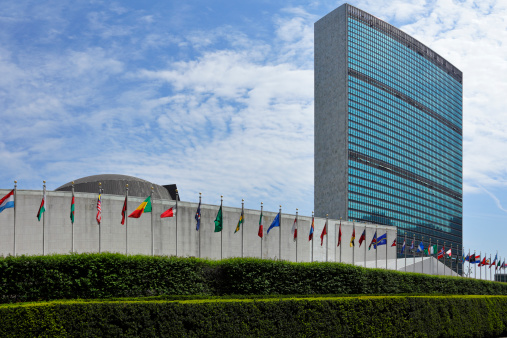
[(168, 238)]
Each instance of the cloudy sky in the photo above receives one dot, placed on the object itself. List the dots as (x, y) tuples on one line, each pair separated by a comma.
[(217, 96)]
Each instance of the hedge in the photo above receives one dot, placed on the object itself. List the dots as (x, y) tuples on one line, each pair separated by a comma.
[(90, 276), (387, 316)]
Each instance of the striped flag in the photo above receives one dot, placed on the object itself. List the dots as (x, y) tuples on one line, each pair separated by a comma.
[(7, 201), (261, 230), (295, 228), (124, 211), (99, 209), (72, 209), (312, 228), (143, 207), (42, 207), (362, 238)]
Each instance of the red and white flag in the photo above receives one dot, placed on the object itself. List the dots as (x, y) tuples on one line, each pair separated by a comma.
[(169, 212)]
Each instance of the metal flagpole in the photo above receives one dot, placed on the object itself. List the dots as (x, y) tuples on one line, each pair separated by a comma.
[(376, 251), (438, 261), (44, 219), (387, 244), (353, 251), (280, 234), (262, 229), (480, 265), (341, 244), (365, 245), (126, 220), (413, 254), (297, 237), (176, 216), (100, 230), (222, 230), (200, 228), (431, 258), (151, 221), (469, 270), (242, 225), (15, 203), (327, 240), (444, 261), (422, 257), (490, 262), (313, 235), (405, 251), (72, 247)]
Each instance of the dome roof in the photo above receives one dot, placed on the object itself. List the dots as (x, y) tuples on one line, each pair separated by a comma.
[(114, 184)]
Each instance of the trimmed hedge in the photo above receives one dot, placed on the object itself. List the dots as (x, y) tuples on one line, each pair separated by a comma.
[(88, 276), (388, 316)]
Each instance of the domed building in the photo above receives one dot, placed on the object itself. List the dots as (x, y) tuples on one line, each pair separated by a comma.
[(114, 184)]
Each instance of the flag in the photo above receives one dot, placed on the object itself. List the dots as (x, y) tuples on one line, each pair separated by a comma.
[(448, 253), (294, 230), (394, 242), (477, 259), (412, 247), (275, 223), (483, 262), (353, 238), (7, 201), (441, 253), (494, 261), (143, 207), (169, 212), (219, 221), (382, 240), (124, 211), (42, 207), (324, 233), (498, 265), (340, 234), (198, 216), (240, 221), (373, 241), (432, 249), (99, 209), (403, 247), (467, 258), (420, 247), (72, 209), (261, 231), (312, 228), (426, 251), (362, 238)]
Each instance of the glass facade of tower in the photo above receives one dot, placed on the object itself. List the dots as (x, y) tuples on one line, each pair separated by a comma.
[(404, 135)]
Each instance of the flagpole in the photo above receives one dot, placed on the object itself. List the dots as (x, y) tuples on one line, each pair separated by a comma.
[(43, 219), (469, 270), (444, 261), (386, 248), (72, 247), (365, 245), (338, 239), (376, 251), (100, 232), (297, 235), (242, 225), (221, 230), (126, 220), (280, 234), (353, 251), (413, 253), (313, 235), (262, 229), (15, 203), (151, 221), (405, 250), (199, 227), (327, 239), (176, 217), (490, 262), (422, 257)]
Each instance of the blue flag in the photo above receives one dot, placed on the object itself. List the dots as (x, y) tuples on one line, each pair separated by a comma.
[(382, 240), (420, 248), (275, 223), (198, 217), (402, 248)]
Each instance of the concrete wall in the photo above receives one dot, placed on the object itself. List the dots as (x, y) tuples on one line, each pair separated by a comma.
[(331, 115), (167, 239)]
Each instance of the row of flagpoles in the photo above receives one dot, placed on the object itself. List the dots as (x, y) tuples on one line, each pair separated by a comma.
[(8, 201)]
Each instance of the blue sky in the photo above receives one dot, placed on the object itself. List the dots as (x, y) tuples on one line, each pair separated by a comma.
[(217, 96)]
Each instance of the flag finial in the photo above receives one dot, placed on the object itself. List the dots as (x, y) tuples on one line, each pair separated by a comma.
[(15, 182), (242, 200), (200, 193), (100, 183), (127, 185), (297, 209), (44, 182), (327, 215)]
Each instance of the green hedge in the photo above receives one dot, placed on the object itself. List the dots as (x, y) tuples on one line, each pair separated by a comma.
[(88, 276), (388, 316)]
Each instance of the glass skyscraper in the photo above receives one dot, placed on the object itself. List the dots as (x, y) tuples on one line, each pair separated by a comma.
[(388, 130)]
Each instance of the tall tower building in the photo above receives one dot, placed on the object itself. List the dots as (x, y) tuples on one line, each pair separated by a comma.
[(388, 130)]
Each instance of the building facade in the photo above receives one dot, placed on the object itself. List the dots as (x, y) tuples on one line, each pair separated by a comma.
[(388, 130)]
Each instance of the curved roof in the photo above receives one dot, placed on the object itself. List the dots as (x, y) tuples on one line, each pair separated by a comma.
[(114, 184)]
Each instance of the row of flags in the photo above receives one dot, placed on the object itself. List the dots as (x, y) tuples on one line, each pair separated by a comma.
[(146, 207), (476, 259)]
